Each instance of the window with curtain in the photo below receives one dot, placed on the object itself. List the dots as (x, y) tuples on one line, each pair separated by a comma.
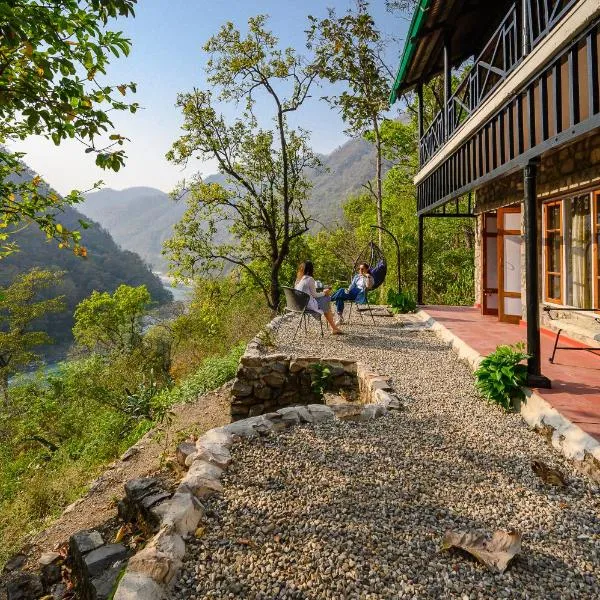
[(578, 245)]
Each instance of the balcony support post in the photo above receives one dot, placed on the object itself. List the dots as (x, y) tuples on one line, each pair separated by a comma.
[(525, 27), (534, 368), (420, 262), (420, 119), (447, 84)]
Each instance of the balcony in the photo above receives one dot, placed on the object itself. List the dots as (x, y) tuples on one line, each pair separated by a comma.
[(523, 27)]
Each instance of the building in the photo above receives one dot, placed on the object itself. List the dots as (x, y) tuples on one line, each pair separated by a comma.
[(520, 136)]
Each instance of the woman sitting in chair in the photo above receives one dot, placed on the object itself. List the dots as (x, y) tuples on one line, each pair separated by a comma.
[(362, 282), (319, 301)]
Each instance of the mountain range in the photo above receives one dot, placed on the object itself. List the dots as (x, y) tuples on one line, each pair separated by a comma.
[(140, 219)]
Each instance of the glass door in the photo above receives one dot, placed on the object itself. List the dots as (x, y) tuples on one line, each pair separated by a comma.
[(509, 264)]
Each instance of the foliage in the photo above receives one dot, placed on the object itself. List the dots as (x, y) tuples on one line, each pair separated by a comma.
[(349, 50), (53, 58), (112, 322), (104, 269), (261, 203), (500, 375), (320, 379), (401, 302), (212, 373), (20, 309)]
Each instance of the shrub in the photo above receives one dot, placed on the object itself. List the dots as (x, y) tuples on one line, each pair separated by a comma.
[(320, 378), (501, 375), (401, 302)]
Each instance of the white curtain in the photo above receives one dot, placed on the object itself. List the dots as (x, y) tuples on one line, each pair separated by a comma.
[(580, 253)]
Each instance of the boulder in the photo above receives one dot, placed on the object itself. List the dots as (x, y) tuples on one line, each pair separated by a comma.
[(274, 379), (217, 435), (99, 560), (294, 415), (50, 566), (138, 586), (372, 411), (181, 513), (142, 496), (320, 412), (183, 451), (24, 586), (250, 427), (241, 389)]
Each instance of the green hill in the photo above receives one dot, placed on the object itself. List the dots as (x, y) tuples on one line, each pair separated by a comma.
[(141, 218)]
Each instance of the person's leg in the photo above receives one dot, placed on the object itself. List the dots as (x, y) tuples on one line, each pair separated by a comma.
[(338, 297), (334, 327)]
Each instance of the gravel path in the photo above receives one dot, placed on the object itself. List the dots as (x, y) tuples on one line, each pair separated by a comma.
[(358, 510)]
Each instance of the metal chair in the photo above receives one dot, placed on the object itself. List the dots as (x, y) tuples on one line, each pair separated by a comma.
[(297, 302)]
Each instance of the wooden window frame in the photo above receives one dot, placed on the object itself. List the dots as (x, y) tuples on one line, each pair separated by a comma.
[(595, 249), (548, 274)]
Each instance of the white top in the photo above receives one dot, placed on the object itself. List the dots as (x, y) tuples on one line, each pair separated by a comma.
[(307, 285)]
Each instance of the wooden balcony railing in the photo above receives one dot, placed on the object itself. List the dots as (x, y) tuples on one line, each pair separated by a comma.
[(500, 56)]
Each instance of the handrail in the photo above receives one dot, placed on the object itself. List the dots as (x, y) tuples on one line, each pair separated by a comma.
[(502, 53)]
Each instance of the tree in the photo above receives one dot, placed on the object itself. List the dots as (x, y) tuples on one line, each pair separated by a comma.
[(53, 60), (261, 202), (112, 322), (349, 50), (20, 305)]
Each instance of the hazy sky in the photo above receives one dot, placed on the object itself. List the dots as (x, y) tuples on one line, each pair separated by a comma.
[(167, 58)]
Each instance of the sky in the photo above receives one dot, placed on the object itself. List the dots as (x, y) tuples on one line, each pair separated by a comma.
[(167, 58)]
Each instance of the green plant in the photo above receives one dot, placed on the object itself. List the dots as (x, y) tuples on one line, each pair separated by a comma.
[(501, 375), (320, 378), (401, 302)]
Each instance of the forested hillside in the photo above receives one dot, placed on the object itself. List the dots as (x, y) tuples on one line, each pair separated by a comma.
[(105, 268), (142, 218)]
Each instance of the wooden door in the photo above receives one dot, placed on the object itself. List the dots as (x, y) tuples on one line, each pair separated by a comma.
[(509, 240), (489, 271)]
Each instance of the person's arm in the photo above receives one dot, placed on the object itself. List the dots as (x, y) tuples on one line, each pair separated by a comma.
[(312, 288)]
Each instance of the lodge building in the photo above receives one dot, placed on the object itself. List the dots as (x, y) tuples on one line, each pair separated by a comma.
[(519, 136)]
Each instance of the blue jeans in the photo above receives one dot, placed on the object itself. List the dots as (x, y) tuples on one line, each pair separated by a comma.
[(342, 295)]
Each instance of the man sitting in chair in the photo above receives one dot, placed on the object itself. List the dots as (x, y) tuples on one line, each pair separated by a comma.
[(362, 282)]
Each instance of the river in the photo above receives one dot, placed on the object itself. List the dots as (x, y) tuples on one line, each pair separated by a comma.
[(181, 293)]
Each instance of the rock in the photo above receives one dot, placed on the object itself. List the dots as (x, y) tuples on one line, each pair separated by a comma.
[(182, 513), (99, 560), (82, 542), (138, 586), (256, 410), (15, 562), (183, 451), (241, 389), (200, 486), (261, 391), (387, 400), (346, 411), (142, 496), (161, 558), (24, 586), (217, 435), (295, 415), (320, 412), (133, 451), (372, 411), (274, 379), (214, 454), (103, 586), (50, 565), (205, 469), (250, 427)]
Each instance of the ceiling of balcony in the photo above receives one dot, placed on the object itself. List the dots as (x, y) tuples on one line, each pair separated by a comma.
[(467, 23)]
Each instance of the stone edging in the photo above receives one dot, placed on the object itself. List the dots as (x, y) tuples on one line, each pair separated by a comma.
[(150, 571), (565, 436)]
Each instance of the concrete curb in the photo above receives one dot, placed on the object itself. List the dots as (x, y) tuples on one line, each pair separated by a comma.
[(565, 436)]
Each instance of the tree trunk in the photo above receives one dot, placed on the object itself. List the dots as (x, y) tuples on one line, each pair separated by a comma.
[(379, 182), (275, 291)]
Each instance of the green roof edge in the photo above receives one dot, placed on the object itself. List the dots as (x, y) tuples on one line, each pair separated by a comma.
[(409, 46)]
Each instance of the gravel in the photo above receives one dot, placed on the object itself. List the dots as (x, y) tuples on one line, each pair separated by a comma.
[(344, 510)]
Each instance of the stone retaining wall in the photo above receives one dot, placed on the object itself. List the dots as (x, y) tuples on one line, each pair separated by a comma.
[(266, 382)]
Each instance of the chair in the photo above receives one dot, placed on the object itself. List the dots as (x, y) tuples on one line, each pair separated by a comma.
[(297, 302), (378, 272)]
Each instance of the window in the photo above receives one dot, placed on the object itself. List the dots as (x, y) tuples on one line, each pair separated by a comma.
[(553, 243), (578, 248)]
